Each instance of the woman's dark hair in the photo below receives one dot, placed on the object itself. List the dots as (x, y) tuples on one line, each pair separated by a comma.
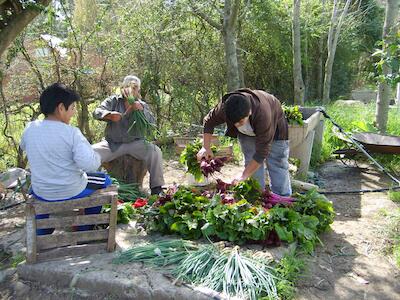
[(236, 107), (55, 94)]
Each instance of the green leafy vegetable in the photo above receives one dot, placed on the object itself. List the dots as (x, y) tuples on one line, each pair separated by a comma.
[(293, 114)]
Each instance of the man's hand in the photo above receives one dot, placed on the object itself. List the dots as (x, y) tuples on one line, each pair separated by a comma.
[(204, 153), (135, 106), (114, 116), (238, 179)]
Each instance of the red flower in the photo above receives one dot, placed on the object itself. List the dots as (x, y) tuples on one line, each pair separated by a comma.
[(139, 202)]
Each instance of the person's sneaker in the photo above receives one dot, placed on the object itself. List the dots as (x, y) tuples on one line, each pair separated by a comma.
[(156, 190)]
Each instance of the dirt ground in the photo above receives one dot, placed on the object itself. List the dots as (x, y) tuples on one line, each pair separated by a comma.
[(349, 264)]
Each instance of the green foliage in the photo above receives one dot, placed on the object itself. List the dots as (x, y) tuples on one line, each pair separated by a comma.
[(178, 56), (192, 215), (313, 203), (17, 259), (237, 222), (388, 55), (288, 272), (189, 158), (394, 196), (293, 114), (185, 214), (248, 189), (292, 226)]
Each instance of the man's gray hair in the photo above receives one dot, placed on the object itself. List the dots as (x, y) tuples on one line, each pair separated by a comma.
[(128, 80)]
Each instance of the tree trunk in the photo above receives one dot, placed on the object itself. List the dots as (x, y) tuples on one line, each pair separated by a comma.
[(320, 65), (384, 90), (229, 36), (228, 29), (232, 66), (127, 169), (12, 25), (398, 94), (333, 37), (296, 42)]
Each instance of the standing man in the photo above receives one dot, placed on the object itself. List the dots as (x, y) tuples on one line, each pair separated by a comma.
[(116, 110), (256, 118)]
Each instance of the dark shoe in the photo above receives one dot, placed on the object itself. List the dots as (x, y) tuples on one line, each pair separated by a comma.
[(156, 190)]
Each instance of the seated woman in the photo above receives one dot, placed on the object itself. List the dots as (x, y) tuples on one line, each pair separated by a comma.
[(59, 156)]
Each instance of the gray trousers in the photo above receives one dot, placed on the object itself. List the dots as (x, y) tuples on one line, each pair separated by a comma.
[(140, 150), (277, 164)]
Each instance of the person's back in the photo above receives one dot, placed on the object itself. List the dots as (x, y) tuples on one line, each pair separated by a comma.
[(59, 155)]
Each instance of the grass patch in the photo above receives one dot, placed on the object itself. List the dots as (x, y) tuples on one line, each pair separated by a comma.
[(391, 235), (394, 196), (288, 270), (7, 260)]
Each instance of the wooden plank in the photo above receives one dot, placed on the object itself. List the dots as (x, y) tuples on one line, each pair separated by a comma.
[(63, 222), (303, 185), (111, 188), (93, 200), (113, 225), (70, 238), (69, 251), (31, 246)]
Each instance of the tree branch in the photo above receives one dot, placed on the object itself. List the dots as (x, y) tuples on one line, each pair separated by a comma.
[(18, 23), (205, 17)]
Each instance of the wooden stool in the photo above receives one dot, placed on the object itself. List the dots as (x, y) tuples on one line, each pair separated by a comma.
[(58, 244)]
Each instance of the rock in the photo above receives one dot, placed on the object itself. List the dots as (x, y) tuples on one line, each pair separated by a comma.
[(322, 284), (20, 288)]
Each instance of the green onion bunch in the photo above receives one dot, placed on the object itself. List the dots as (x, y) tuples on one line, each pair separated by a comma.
[(139, 124), (160, 253), (226, 271), (128, 191)]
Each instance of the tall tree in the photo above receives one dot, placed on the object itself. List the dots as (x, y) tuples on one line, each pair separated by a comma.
[(15, 15), (336, 24), (320, 64), (227, 25), (298, 82), (384, 89)]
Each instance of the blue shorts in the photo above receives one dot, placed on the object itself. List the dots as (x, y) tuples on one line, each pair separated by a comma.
[(96, 181)]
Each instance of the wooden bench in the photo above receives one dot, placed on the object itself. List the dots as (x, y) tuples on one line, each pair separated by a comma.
[(64, 215)]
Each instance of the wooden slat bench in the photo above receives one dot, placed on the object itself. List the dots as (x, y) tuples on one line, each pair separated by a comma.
[(63, 215)]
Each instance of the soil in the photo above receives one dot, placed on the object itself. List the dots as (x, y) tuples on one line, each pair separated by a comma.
[(349, 265)]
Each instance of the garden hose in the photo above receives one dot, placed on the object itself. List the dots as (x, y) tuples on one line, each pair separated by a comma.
[(360, 191)]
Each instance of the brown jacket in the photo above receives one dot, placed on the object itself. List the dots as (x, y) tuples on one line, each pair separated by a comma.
[(267, 119)]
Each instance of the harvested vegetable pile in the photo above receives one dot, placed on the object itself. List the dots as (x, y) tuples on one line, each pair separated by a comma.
[(222, 270), (241, 213)]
